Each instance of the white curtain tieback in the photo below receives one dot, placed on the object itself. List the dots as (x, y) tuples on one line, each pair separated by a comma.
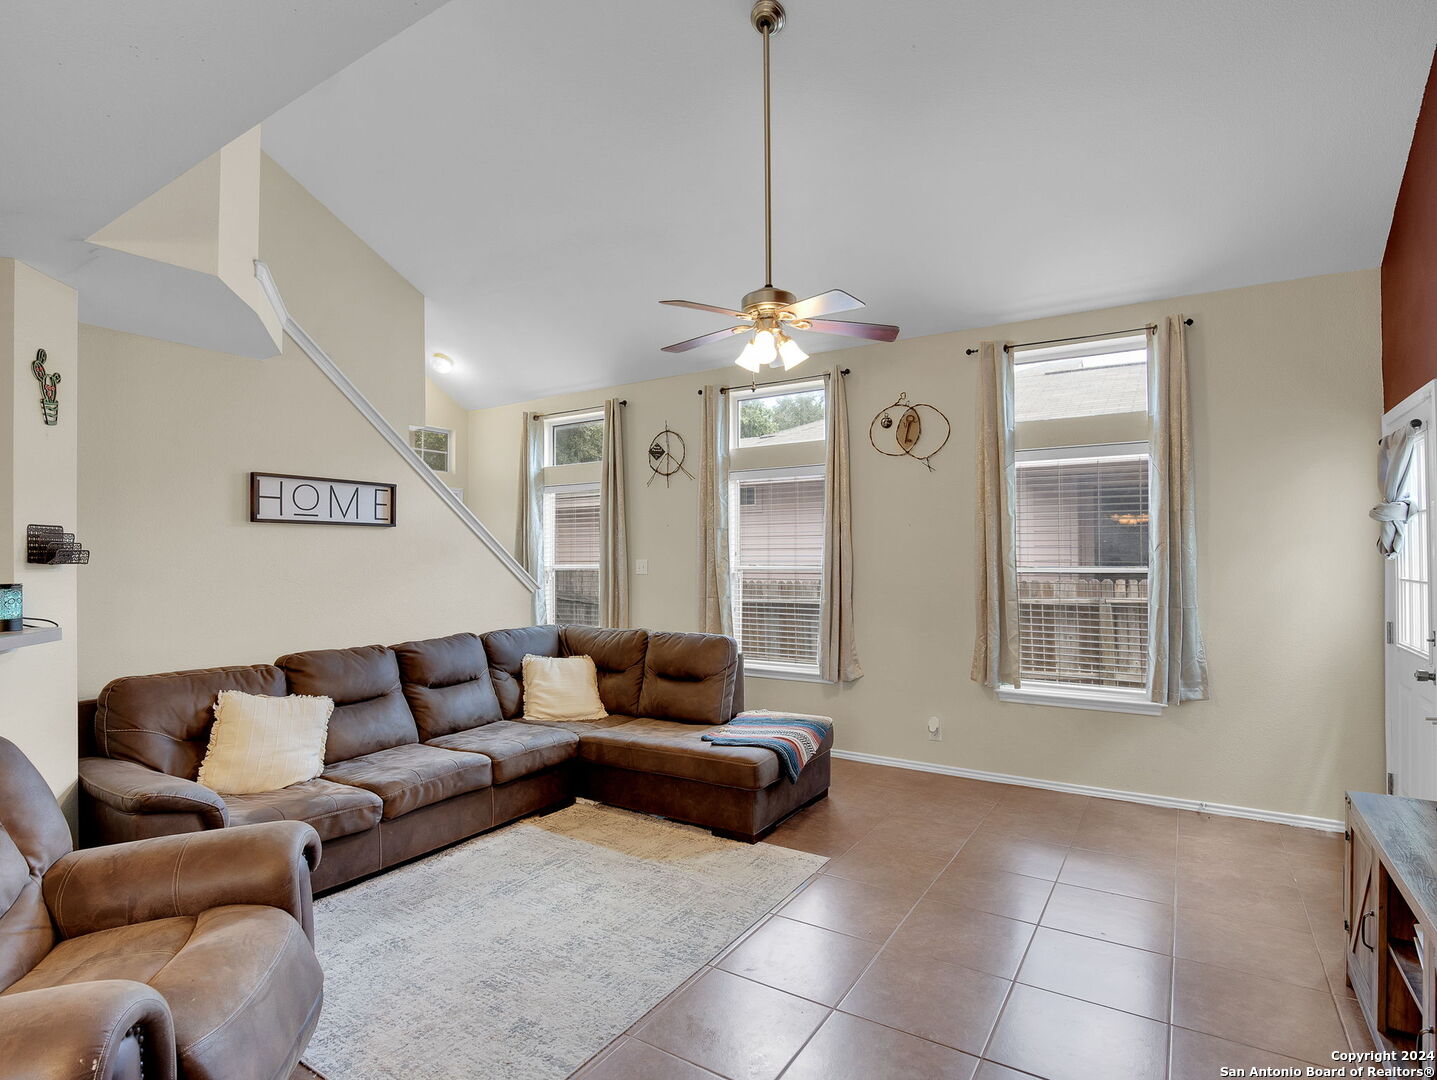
[(1391, 511)]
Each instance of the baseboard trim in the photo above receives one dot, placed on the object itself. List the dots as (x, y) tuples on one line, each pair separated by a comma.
[(1302, 821)]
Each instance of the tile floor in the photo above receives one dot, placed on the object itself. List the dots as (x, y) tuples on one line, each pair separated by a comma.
[(973, 931)]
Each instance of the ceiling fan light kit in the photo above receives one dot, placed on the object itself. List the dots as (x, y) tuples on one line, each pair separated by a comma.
[(769, 312)]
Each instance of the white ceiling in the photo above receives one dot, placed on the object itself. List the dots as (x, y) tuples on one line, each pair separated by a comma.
[(102, 104), (546, 173)]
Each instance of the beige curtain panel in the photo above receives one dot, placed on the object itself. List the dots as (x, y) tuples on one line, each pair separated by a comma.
[(613, 522), (715, 600), (529, 537), (1178, 661), (837, 647), (996, 652)]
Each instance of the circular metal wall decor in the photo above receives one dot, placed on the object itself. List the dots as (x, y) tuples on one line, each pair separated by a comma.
[(911, 428), (667, 451)]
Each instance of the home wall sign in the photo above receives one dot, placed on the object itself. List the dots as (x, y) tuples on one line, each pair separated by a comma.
[(320, 500), (49, 389), (910, 429)]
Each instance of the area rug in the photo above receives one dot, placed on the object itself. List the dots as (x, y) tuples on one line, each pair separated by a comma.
[(519, 954)]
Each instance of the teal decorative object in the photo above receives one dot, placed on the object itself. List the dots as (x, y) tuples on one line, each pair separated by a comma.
[(49, 389), (12, 607)]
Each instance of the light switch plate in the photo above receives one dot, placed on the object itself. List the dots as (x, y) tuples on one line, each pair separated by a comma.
[(641, 566)]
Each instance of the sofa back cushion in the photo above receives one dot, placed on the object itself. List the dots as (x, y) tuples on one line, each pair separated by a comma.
[(447, 684), (163, 721), (506, 650), (689, 677), (619, 657), (370, 713)]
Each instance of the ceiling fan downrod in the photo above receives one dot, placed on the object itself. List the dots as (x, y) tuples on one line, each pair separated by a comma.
[(767, 18)]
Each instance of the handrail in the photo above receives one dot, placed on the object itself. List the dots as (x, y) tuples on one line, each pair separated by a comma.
[(341, 381)]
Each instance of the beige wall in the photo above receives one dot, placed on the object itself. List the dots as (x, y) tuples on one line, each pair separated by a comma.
[(37, 486), (442, 411), (359, 309), (169, 434), (1287, 404)]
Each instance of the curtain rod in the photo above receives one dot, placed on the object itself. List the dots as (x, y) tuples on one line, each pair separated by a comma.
[(1082, 337), (1416, 426), (570, 412), (781, 382)]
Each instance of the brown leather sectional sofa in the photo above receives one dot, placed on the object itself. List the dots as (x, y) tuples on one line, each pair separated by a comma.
[(428, 745)]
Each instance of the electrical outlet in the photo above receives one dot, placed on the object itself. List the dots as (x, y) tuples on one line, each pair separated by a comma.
[(935, 730), (641, 566)]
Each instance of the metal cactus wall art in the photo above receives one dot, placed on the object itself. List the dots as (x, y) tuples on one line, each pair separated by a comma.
[(49, 389)]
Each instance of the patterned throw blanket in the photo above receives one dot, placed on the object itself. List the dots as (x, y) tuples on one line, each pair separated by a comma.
[(795, 739)]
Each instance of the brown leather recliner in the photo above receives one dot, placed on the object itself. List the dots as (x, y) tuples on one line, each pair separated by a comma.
[(185, 956)]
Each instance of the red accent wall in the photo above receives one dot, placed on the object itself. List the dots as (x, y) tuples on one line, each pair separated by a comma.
[(1409, 266)]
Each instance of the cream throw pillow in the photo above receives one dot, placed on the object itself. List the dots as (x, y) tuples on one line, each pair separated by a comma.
[(261, 743), (561, 688)]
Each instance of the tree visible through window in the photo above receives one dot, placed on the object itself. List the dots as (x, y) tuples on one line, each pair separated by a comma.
[(576, 443), (775, 418), (433, 446)]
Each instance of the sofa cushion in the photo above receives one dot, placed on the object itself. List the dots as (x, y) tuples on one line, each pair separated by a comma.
[(163, 721), (271, 984), (506, 650), (408, 777), (580, 727), (447, 684), (689, 677), (619, 657), (516, 749), (672, 748), (333, 809), (370, 712)]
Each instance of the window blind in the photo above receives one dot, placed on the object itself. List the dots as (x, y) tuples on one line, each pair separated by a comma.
[(1082, 539), (778, 569), (571, 555)]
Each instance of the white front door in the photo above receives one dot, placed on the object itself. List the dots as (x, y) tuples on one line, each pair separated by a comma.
[(1411, 650)]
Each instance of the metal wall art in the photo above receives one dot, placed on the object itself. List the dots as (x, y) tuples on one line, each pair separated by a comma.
[(667, 451), (51, 545), (49, 389), (910, 429)]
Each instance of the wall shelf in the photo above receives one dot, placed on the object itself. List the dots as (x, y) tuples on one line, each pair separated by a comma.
[(18, 639)]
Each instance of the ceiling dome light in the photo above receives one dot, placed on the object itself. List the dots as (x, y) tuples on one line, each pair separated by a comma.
[(441, 364)]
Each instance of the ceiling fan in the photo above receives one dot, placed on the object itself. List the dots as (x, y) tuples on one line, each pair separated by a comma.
[(769, 312)]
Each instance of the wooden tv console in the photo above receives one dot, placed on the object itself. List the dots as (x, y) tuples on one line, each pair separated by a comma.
[(1390, 915)]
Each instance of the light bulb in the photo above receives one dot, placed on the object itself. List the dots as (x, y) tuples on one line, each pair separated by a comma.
[(442, 364), (766, 345), (748, 359), (790, 353)]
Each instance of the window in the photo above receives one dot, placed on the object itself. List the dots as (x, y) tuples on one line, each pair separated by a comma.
[(1412, 620), (776, 534), (1096, 378), (1082, 537), (571, 554), (790, 414), (573, 439), (1082, 515), (433, 446)]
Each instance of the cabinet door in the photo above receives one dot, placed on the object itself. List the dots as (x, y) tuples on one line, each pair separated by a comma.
[(1361, 905)]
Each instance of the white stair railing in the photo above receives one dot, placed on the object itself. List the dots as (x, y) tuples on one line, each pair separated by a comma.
[(341, 381)]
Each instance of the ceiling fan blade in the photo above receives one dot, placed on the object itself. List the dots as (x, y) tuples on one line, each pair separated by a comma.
[(824, 304), (694, 343), (705, 307), (871, 330)]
